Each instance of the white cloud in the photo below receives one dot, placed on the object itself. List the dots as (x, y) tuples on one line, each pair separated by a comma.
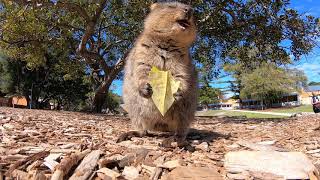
[(311, 69)]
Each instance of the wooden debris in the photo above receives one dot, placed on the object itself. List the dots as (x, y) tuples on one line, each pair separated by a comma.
[(259, 146), (313, 151), (34, 165), (199, 173), (67, 163), (171, 164), (102, 176), (21, 175), (130, 172), (73, 135), (50, 161), (108, 173), (148, 169), (37, 175), (203, 146), (158, 171), (65, 151), (51, 164), (267, 142), (33, 157), (85, 169), (53, 157), (156, 174), (133, 158)]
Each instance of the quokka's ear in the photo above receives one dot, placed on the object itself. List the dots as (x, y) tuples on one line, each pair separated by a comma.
[(154, 6)]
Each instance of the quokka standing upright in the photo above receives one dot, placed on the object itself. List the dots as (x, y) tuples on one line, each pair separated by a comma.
[(169, 31)]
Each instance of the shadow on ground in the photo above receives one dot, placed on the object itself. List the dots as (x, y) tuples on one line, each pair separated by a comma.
[(205, 135)]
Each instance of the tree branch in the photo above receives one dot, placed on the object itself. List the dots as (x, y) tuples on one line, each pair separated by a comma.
[(117, 67), (88, 34)]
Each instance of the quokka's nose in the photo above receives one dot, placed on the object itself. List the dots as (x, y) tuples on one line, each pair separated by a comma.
[(189, 12)]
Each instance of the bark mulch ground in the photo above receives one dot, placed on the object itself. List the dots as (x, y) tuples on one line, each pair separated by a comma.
[(39, 144)]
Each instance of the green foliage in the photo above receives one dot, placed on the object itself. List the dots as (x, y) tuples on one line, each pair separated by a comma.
[(209, 95), (112, 102), (312, 83), (229, 31), (250, 31), (269, 82), (6, 78), (46, 83)]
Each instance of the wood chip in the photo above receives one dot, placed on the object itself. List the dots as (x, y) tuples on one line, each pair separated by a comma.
[(157, 173), (30, 132), (134, 158), (198, 173), (67, 163), (33, 157), (259, 147), (37, 175), (85, 169), (313, 151), (130, 172), (171, 164), (149, 169), (34, 165), (108, 172), (21, 175)]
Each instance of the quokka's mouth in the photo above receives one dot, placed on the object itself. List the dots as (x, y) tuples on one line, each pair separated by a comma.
[(183, 23)]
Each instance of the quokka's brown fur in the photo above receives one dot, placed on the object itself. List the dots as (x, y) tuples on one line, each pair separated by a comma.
[(169, 31)]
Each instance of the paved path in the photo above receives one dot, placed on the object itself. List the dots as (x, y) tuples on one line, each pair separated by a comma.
[(260, 112)]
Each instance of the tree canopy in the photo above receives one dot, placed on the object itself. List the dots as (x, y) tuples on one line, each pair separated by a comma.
[(313, 83), (100, 33), (209, 95), (269, 82), (45, 84)]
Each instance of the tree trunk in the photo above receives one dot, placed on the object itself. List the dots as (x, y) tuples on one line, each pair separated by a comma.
[(100, 96)]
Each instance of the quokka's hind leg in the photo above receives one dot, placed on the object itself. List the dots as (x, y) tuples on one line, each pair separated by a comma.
[(139, 132), (181, 131), (130, 134)]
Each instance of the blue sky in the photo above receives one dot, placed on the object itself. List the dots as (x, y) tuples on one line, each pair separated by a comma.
[(310, 63)]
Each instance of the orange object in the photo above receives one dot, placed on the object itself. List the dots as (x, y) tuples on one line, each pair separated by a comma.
[(18, 101)]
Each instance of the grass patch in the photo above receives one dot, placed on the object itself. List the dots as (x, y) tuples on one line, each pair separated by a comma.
[(235, 114), (304, 108)]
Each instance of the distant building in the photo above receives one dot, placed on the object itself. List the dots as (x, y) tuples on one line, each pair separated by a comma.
[(14, 101), (225, 104), (306, 94), (293, 99), (18, 101)]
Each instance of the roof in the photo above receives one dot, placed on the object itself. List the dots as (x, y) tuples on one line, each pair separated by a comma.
[(312, 88)]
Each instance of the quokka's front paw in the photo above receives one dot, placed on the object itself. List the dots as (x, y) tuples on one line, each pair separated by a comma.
[(145, 90), (178, 95)]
